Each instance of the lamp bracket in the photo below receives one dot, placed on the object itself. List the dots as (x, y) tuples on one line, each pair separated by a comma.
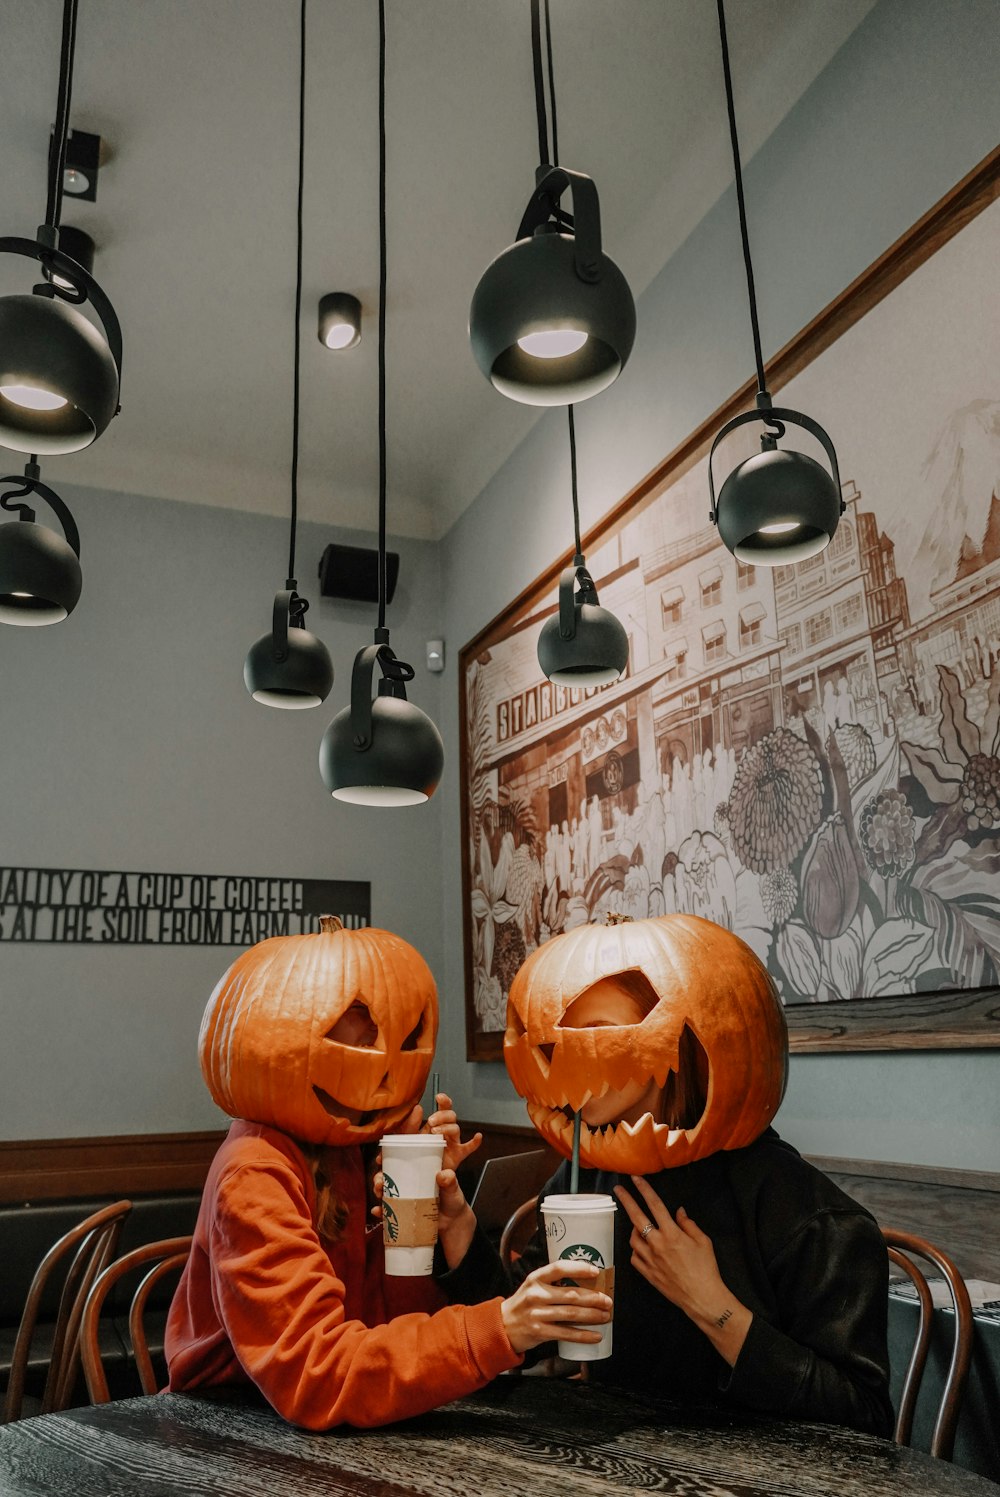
[(87, 288), (775, 418), (395, 674), (569, 600), (550, 184), (31, 484)]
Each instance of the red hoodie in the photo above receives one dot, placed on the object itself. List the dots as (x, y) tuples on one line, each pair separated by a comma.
[(317, 1326)]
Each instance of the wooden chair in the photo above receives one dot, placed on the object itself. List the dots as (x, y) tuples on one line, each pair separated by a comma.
[(166, 1256), (519, 1230), (900, 1246), (95, 1241)]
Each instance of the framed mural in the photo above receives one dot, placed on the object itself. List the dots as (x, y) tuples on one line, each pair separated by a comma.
[(807, 755)]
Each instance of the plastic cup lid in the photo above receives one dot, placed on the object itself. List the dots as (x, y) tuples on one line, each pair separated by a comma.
[(413, 1140), (581, 1202)]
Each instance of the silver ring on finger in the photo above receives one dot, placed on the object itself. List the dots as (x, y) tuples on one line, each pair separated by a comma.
[(646, 1231)]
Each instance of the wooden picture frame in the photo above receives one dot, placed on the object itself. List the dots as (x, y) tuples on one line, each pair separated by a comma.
[(964, 1014)]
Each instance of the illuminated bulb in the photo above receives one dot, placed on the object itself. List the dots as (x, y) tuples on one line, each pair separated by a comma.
[(75, 181), (23, 595), (339, 335), (32, 398), (781, 527), (553, 343), (379, 795)]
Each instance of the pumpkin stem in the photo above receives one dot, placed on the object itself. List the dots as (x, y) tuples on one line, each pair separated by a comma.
[(328, 924), (613, 919)]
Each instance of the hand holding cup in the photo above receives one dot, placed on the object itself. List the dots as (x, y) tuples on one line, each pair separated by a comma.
[(546, 1308)]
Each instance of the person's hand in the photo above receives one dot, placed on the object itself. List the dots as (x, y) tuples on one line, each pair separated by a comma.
[(444, 1120), (545, 1308), (674, 1255)]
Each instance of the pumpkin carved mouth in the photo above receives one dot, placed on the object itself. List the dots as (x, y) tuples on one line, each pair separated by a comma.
[(337, 1109), (684, 1098)]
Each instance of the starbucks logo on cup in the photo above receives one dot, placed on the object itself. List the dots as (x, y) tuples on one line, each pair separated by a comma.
[(389, 1188), (391, 1221), (582, 1252)]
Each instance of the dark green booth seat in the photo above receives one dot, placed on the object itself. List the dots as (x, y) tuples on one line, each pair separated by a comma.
[(977, 1439), (28, 1231)]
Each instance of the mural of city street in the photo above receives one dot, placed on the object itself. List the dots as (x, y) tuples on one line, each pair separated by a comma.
[(808, 755)]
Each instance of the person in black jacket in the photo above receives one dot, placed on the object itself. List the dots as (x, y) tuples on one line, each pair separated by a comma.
[(746, 1276)]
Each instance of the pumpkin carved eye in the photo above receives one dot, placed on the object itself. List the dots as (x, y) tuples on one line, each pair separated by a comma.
[(356, 1027)]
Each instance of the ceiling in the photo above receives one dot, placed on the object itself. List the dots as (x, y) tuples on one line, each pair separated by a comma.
[(197, 103)]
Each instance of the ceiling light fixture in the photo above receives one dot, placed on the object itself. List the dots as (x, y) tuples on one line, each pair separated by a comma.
[(59, 377), (779, 506), (384, 752), (582, 644), (40, 576), (290, 667), (552, 319), (80, 247), (339, 320)]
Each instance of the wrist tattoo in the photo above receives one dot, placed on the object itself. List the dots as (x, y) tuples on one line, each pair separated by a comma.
[(726, 1315)]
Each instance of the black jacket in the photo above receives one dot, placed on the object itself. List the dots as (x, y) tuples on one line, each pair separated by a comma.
[(808, 1261)]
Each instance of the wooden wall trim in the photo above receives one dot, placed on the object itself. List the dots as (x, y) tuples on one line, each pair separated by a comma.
[(123, 1164), (957, 1209)]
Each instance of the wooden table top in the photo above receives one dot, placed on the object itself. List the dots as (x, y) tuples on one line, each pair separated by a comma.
[(519, 1436)]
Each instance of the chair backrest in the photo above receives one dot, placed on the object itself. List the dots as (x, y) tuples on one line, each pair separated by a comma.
[(902, 1246), (519, 1230), (166, 1256), (92, 1243)]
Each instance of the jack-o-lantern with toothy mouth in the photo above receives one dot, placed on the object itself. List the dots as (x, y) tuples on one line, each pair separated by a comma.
[(698, 1029), (329, 1037)]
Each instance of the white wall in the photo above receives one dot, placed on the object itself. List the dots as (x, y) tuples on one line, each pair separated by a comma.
[(905, 109), (130, 743)]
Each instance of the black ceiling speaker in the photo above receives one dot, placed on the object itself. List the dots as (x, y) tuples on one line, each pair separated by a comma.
[(352, 572)]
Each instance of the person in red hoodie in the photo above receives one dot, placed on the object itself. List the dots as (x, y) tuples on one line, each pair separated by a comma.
[(285, 1286)]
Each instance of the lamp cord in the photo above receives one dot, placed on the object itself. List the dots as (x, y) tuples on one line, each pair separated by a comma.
[(572, 472), (382, 586), (57, 154), (744, 236), (552, 86), (298, 293)]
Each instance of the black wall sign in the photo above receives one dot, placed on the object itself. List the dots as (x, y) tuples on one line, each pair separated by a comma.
[(170, 909)]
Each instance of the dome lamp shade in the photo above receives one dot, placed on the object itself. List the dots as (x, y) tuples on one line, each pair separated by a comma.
[(780, 506), (288, 668), (381, 752), (552, 319), (582, 644), (59, 376), (40, 575)]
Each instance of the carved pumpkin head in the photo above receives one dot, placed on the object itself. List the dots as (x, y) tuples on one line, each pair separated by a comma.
[(329, 1037), (698, 1027)]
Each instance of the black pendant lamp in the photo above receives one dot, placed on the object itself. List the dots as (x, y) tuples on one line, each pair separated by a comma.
[(381, 752), (582, 644), (59, 375), (780, 506), (290, 667), (552, 319), (40, 576)]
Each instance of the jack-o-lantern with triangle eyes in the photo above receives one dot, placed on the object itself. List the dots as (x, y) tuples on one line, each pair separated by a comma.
[(329, 1037), (706, 1037)]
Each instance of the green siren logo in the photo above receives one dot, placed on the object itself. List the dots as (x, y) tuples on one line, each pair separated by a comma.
[(390, 1191), (582, 1252)]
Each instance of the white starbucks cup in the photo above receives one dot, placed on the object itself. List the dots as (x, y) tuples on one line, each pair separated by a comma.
[(410, 1164), (581, 1229)]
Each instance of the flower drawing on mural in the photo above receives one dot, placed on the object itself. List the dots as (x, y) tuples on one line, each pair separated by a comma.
[(831, 884), (776, 801), (857, 750), (779, 894), (888, 833), (702, 881), (489, 907), (961, 780)]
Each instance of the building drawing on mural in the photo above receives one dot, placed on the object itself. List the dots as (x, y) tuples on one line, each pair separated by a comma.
[(789, 753)]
